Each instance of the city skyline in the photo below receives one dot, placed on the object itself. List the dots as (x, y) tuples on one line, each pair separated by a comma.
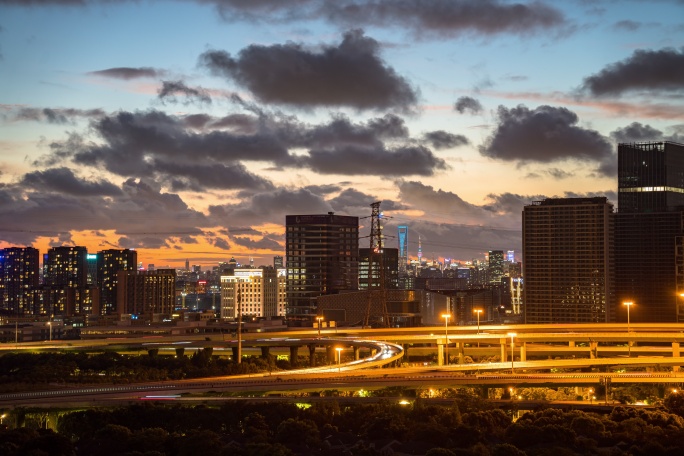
[(188, 130)]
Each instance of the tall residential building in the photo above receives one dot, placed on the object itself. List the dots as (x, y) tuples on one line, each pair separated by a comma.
[(321, 256), (109, 263), (19, 275), (648, 223), (369, 277), (146, 294), (65, 290), (567, 261), (402, 237), (91, 260), (253, 292)]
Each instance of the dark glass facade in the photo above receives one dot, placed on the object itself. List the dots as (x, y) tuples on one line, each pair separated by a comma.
[(648, 224), (321, 257)]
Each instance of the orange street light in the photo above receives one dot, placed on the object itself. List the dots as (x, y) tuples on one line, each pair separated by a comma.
[(446, 338), (629, 343), (339, 358), (320, 319)]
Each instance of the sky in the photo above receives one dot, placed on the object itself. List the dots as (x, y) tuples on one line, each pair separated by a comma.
[(188, 129)]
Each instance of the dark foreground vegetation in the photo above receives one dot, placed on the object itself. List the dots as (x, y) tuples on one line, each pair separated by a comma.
[(468, 426), (20, 371)]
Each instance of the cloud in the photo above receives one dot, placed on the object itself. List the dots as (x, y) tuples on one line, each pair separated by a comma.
[(627, 25), (448, 19), (645, 70), (265, 242), (128, 73), (635, 132), (441, 139), (156, 146), (351, 74), (544, 134), (171, 89), (57, 116), (135, 211), (63, 180), (468, 104), (402, 161)]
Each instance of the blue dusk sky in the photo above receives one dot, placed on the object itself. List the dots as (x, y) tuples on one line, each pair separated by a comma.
[(188, 129)]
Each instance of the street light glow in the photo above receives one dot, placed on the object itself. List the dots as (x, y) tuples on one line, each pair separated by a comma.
[(446, 338), (512, 336)]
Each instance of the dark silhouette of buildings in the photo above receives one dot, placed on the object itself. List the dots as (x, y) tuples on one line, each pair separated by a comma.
[(649, 227), (567, 248), (146, 294)]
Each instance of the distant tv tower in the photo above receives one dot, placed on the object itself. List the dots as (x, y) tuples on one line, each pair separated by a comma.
[(420, 251)]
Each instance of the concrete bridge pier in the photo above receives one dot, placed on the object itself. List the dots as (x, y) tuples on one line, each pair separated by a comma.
[(593, 349), (460, 351), (330, 354), (235, 355), (312, 355), (523, 351), (293, 355), (675, 354), (440, 353), (265, 351), (504, 351), (406, 352), (357, 353)]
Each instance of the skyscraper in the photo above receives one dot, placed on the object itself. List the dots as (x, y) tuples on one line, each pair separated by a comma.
[(66, 290), (648, 223), (496, 266), (109, 263), (321, 256), (371, 278), (402, 237), (146, 294), (567, 261), (19, 275)]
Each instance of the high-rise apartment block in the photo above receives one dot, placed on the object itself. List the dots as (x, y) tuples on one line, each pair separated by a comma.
[(321, 256), (66, 290), (19, 275), (146, 294), (256, 292), (649, 222), (567, 267), (109, 263), (496, 266)]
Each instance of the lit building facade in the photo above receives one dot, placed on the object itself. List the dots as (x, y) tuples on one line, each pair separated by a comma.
[(567, 261), (19, 275), (402, 238), (648, 223), (144, 294), (370, 275), (253, 292), (109, 263), (321, 256)]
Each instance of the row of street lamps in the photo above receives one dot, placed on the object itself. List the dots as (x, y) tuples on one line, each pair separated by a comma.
[(446, 317)]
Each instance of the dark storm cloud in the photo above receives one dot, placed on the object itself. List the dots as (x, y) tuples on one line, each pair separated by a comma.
[(544, 134), (351, 74), (402, 161), (636, 132), (644, 70), (237, 123), (171, 90), (468, 104), (323, 189), (63, 180), (558, 173), (421, 18), (154, 145), (448, 19), (270, 206), (49, 204), (54, 115), (441, 139), (341, 131), (128, 73), (263, 243), (426, 198)]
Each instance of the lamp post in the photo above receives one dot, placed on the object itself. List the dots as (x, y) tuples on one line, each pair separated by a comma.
[(478, 312), (339, 358), (320, 319), (629, 343), (50, 326), (446, 338), (512, 336)]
